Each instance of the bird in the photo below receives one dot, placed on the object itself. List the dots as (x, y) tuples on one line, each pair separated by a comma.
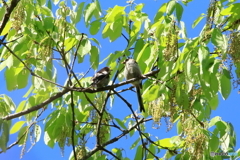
[(132, 70), (101, 78)]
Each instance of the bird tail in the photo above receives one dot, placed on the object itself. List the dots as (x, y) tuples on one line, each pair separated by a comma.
[(140, 101)]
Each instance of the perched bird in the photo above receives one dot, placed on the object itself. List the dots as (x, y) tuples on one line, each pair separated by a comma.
[(132, 70), (101, 77)]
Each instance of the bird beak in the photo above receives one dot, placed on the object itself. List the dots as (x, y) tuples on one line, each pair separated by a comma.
[(124, 62)]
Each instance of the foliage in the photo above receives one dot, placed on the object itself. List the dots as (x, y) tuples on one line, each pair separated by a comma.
[(183, 76)]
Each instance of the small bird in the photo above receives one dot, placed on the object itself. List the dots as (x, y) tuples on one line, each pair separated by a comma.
[(132, 70), (101, 78)]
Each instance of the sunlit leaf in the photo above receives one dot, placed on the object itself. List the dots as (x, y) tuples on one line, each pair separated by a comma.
[(94, 58), (79, 12), (179, 11), (160, 12), (88, 13), (195, 23), (171, 7), (95, 27), (17, 126), (6, 28), (213, 121), (225, 85), (214, 143)]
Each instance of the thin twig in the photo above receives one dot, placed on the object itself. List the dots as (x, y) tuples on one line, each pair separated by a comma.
[(110, 153), (97, 148)]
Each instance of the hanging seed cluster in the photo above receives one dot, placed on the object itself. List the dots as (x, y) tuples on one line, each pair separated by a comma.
[(211, 13), (104, 129), (63, 138), (156, 110), (195, 139), (18, 16), (234, 47), (45, 48), (170, 52)]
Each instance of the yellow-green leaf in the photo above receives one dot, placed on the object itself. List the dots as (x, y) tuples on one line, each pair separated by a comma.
[(6, 28), (17, 126)]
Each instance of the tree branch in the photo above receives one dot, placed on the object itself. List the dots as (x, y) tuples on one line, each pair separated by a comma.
[(97, 148), (34, 108), (60, 94)]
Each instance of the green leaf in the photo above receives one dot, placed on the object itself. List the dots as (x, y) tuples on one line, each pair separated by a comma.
[(114, 14), (153, 150), (203, 56), (170, 7), (85, 47), (225, 84), (144, 53), (225, 142), (48, 23), (195, 23), (106, 31), (116, 28), (95, 27), (151, 93), (139, 7), (179, 127), (179, 11), (41, 2), (4, 136), (165, 143), (136, 27), (98, 10), (6, 28), (138, 47), (214, 102), (213, 121), (21, 106), (160, 12), (2, 12), (217, 38), (48, 141), (96, 41), (232, 9), (118, 152), (79, 12), (22, 78), (49, 4), (138, 154), (135, 143), (88, 13), (94, 57), (11, 79), (70, 43), (214, 83), (11, 105), (214, 143), (121, 123), (46, 11), (17, 126)]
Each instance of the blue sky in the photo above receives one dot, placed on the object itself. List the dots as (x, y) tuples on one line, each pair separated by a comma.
[(227, 109)]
